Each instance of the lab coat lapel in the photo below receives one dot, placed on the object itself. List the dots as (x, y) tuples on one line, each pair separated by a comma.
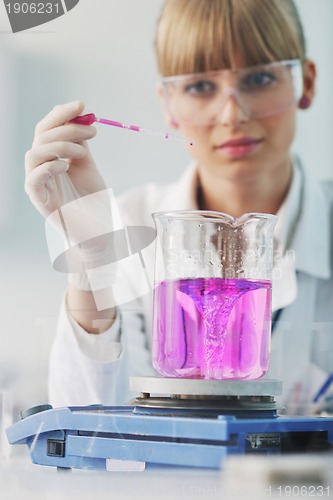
[(308, 250), (311, 238), (310, 258), (292, 338), (284, 282)]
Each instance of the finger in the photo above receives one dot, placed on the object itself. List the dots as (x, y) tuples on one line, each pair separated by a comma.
[(40, 182), (68, 133), (53, 151), (41, 175), (59, 115)]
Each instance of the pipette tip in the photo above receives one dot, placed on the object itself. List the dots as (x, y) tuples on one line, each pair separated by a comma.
[(91, 118)]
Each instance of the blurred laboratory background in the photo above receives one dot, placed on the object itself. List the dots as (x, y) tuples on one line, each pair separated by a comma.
[(101, 52)]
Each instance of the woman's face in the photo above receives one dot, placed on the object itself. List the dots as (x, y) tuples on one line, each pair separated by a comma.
[(239, 148), (254, 121)]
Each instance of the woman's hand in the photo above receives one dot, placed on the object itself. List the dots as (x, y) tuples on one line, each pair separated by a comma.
[(59, 166)]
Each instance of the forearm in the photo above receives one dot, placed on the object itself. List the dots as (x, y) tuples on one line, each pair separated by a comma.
[(88, 369), (81, 305)]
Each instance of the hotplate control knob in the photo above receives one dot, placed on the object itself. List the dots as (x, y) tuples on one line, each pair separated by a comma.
[(35, 409)]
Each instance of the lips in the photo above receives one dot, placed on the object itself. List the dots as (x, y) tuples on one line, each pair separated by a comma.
[(242, 146), (244, 141)]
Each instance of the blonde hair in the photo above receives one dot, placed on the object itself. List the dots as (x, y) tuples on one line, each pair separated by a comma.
[(206, 35)]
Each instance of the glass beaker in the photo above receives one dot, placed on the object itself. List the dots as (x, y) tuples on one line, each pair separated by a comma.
[(212, 295)]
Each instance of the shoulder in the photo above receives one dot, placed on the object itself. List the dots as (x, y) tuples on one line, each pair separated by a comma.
[(137, 204), (327, 188), (319, 191)]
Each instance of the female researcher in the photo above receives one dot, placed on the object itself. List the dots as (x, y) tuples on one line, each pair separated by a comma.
[(235, 72)]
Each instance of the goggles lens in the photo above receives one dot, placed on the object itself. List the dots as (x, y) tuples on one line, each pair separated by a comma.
[(198, 99)]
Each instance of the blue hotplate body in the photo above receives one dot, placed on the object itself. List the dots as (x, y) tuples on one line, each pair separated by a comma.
[(90, 437)]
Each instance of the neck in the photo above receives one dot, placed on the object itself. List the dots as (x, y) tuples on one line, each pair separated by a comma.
[(264, 194)]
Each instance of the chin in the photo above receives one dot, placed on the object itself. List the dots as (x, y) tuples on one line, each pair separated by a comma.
[(240, 171)]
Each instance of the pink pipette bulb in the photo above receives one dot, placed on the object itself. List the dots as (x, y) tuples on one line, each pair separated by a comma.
[(91, 118), (88, 119)]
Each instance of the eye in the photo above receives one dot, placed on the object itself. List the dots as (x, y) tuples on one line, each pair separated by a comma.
[(200, 88), (257, 80)]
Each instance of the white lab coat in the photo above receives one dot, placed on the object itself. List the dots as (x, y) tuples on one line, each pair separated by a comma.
[(87, 369)]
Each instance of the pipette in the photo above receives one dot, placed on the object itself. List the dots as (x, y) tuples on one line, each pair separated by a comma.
[(90, 118)]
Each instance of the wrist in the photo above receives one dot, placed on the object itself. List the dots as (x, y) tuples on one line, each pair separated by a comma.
[(82, 308)]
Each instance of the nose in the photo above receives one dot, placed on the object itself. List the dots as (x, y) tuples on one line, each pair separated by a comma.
[(232, 111)]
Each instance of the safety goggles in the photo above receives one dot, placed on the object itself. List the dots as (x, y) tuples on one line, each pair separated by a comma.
[(268, 89)]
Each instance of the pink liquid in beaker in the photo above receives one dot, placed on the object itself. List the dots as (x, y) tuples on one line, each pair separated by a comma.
[(213, 328)]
